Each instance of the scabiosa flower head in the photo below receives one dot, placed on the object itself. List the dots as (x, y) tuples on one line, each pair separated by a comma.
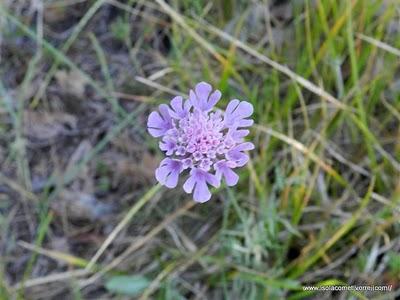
[(205, 141)]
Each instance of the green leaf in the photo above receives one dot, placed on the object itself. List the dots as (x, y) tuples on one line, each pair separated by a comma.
[(127, 285), (394, 262), (282, 283)]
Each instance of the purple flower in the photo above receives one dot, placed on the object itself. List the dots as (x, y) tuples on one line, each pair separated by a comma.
[(158, 124), (198, 182), (168, 172), (198, 137), (224, 168)]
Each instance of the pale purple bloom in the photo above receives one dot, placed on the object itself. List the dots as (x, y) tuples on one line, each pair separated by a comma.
[(198, 137), (168, 172)]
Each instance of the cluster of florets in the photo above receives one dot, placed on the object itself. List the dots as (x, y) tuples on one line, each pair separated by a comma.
[(210, 143)]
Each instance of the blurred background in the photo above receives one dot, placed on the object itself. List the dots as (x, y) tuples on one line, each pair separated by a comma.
[(319, 203)]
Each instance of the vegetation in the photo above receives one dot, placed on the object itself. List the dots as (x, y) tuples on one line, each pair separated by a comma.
[(319, 203)]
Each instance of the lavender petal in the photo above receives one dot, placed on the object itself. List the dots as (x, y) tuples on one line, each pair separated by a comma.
[(237, 112), (159, 123), (168, 172)]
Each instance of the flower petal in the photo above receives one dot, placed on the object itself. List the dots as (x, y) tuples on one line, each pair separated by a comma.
[(231, 177), (160, 122), (237, 112), (180, 108), (212, 179), (189, 184), (214, 98), (168, 145), (164, 110), (172, 179), (201, 192), (244, 146), (197, 182), (231, 106), (194, 100), (245, 123), (201, 98), (222, 169), (236, 153), (155, 124), (238, 134), (203, 90), (168, 172)]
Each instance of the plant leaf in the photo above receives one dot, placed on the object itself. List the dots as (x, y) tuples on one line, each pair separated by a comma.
[(127, 285)]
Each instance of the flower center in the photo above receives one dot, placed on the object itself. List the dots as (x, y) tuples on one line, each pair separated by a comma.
[(199, 139)]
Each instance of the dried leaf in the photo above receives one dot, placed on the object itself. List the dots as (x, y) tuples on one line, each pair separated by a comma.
[(80, 152), (80, 205), (44, 126), (71, 82)]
